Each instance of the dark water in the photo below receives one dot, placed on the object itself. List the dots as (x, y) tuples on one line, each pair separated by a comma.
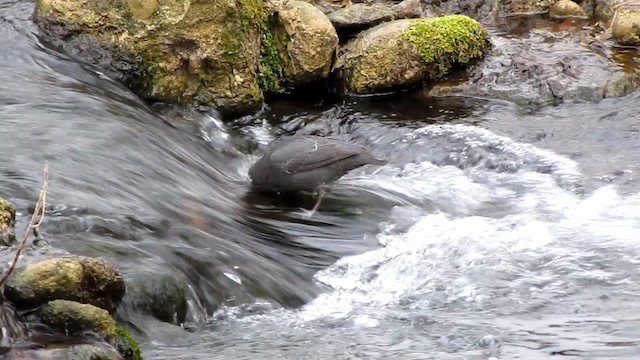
[(494, 232)]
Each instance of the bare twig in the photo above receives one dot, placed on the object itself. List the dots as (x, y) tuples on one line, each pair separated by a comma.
[(33, 224)]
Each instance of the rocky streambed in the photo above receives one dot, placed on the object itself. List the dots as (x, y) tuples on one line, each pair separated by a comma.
[(239, 57)]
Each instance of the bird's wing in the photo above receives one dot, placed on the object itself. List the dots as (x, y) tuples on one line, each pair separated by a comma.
[(309, 154)]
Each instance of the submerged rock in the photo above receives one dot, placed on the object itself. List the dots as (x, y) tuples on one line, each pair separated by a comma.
[(406, 52), (357, 17), (7, 222), (306, 41), (566, 8), (87, 280), (159, 293)]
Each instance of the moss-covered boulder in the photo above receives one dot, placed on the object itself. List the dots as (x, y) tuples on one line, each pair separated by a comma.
[(7, 222), (195, 52), (357, 17), (73, 319), (306, 41), (566, 9), (87, 280), (406, 52)]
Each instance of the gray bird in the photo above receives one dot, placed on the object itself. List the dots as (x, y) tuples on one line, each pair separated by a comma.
[(307, 163)]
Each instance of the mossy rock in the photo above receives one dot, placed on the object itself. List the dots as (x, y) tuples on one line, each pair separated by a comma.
[(127, 346), (407, 52), (7, 222), (305, 40), (87, 280), (188, 52), (72, 317)]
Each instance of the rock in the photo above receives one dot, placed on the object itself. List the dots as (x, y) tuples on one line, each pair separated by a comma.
[(625, 26), (328, 6), (87, 280), (306, 41), (159, 293), (72, 317), (93, 351), (189, 52), (543, 68), (7, 222), (408, 9), (406, 52), (357, 17), (505, 8), (566, 8)]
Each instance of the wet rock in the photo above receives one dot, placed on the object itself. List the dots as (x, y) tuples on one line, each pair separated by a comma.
[(190, 52), (543, 68), (566, 8), (159, 293), (505, 8), (93, 351), (7, 222), (357, 17), (306, 41), (408, 9), (72, 317), (406, 52), (625, 26), (87, 280)]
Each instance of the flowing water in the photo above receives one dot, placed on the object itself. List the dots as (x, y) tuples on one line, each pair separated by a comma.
[(493, 233)]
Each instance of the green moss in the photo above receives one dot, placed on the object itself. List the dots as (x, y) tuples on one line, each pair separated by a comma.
[(270, 67), (127, 346), (87, 280), (448, 40)]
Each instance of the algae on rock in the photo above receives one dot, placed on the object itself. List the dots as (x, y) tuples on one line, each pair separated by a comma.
[(406, 52), (73, 318), (195, 52), (88, 280)]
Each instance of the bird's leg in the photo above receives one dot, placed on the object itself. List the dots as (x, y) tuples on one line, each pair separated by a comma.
[(320, 193)]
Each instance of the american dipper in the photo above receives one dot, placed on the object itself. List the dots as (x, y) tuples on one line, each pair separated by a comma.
[(307, 163)]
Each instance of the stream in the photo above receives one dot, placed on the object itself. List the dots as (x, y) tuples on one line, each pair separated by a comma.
[(494, 232)]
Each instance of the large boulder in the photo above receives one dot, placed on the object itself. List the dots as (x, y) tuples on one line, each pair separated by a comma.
[(87, 280), (406, 52), (625, 23), (306, 42), (196, 52), (7, 222), (566, 9)]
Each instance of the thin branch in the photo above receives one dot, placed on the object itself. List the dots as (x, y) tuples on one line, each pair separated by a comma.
[(33, 224)]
